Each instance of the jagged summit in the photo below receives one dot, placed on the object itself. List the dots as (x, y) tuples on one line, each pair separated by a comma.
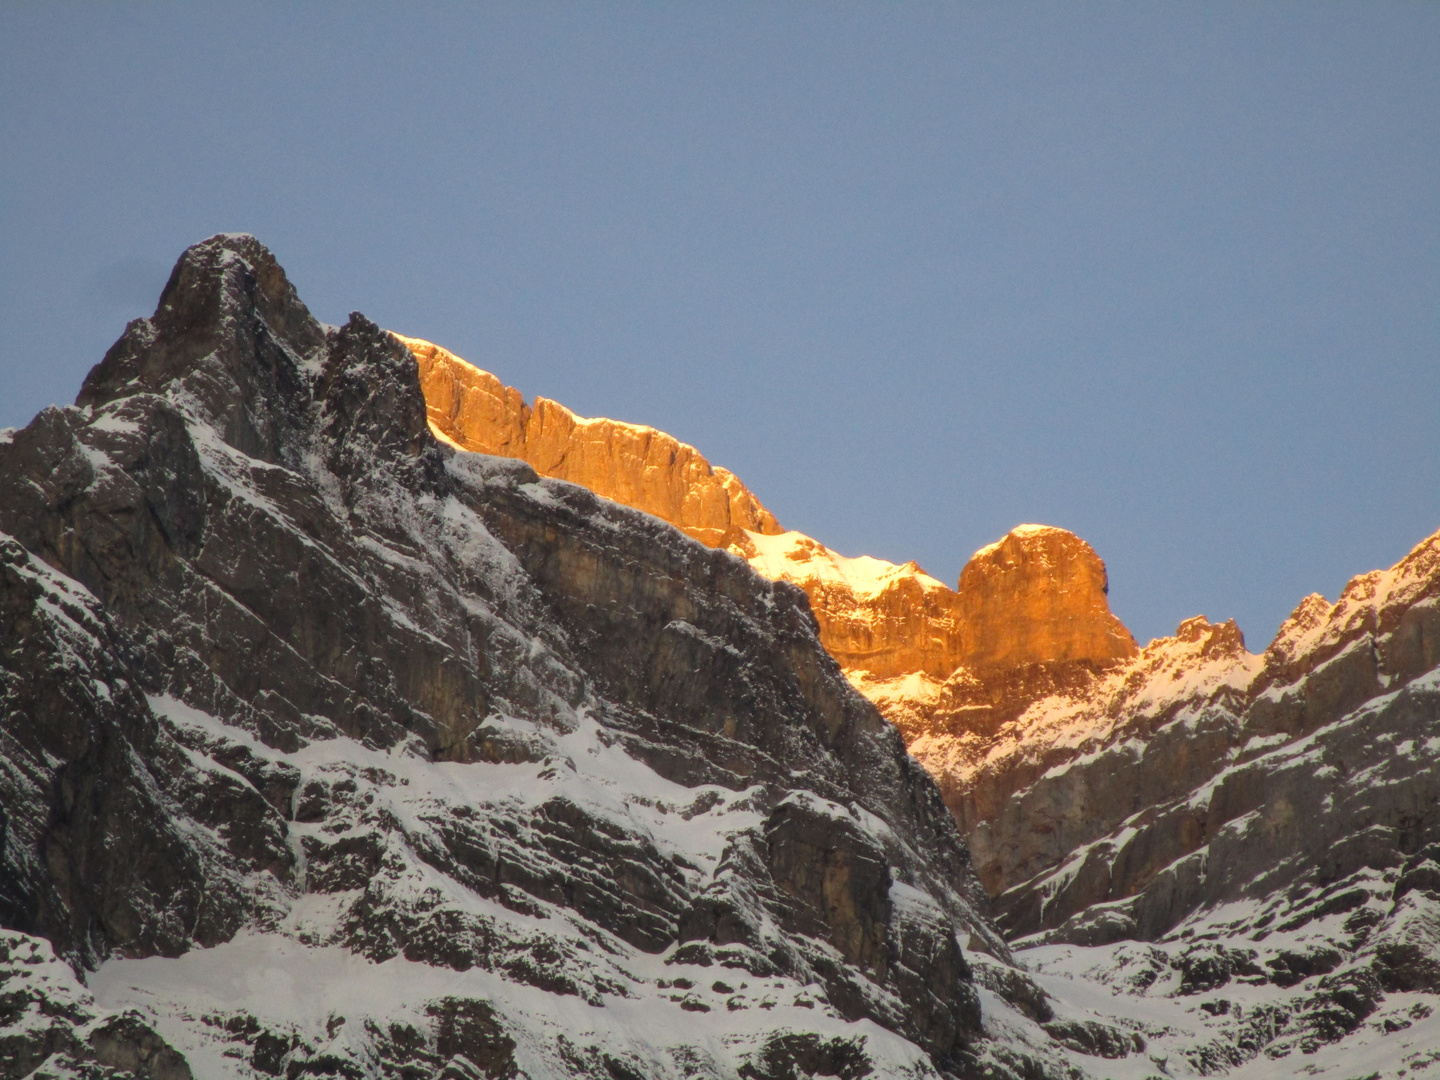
[(516, 780)]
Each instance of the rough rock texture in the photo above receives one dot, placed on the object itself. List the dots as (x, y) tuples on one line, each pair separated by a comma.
[(344, 753), (1033, 621), (1038, 595), (1029, 618), (630, 463), (50, 1025), (1187, 821), (1268, 826), (879, 620), (114, 840), (1030, 615)]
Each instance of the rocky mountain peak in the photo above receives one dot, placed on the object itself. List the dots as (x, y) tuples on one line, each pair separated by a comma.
[(1215, 639), (517, 781), (231, 336), (1038, 595)]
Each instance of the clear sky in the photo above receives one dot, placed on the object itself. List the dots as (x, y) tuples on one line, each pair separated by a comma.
[(1167, 275)]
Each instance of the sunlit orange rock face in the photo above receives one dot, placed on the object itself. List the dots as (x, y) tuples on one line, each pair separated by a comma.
[(1038, 596), (630, 463), (1030, 616)]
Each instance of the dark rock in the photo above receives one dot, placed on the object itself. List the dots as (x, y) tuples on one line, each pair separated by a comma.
[(1017, 988), (470, 1029), (1290, 967), (792, 1056), (127, 1044), (282, 560), (1094, 1038), (1208, 967)]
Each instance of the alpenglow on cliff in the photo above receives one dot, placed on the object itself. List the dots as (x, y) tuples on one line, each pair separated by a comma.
[(333, 748)]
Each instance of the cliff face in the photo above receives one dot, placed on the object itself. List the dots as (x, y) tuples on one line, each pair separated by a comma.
[(1164, 724), (632, 464), (1034, 621), (1029, 615), (342, 753), (1038, 595), (1270, 819)]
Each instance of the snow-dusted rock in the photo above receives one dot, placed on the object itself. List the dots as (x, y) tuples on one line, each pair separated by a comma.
[(339, 752)]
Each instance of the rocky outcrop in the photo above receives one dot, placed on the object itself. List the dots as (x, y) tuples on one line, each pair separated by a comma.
[(879, 620), (503, 777), (1034, 621), (630, 463), (1038, 596), (1029, 618), (1030, 615)]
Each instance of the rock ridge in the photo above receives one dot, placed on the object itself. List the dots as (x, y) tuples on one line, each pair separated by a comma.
[(630, 463), (291, 686), (1029, 613)]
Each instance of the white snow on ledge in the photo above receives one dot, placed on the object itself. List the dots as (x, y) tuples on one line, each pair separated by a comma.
[(317, 991)]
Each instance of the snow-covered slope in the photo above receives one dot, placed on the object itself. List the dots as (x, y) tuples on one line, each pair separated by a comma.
[(332, 751), (329, 750)]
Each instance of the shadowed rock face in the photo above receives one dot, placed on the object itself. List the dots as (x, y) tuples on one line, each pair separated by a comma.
[(276, 660)]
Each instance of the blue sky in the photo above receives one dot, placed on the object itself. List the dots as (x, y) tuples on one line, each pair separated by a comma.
[(1166, 275)]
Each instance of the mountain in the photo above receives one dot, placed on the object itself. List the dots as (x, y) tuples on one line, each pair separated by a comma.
[(1161, 825), (332, 748)]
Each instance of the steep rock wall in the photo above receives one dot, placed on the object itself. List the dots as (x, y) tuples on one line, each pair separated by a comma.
[(1038, 595), (1029, 615), (630, 463)]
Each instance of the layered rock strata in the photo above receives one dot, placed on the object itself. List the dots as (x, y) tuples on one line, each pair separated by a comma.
[(879, 620), (329, 750), (630, 463), (1029, 615), (502, 778)]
